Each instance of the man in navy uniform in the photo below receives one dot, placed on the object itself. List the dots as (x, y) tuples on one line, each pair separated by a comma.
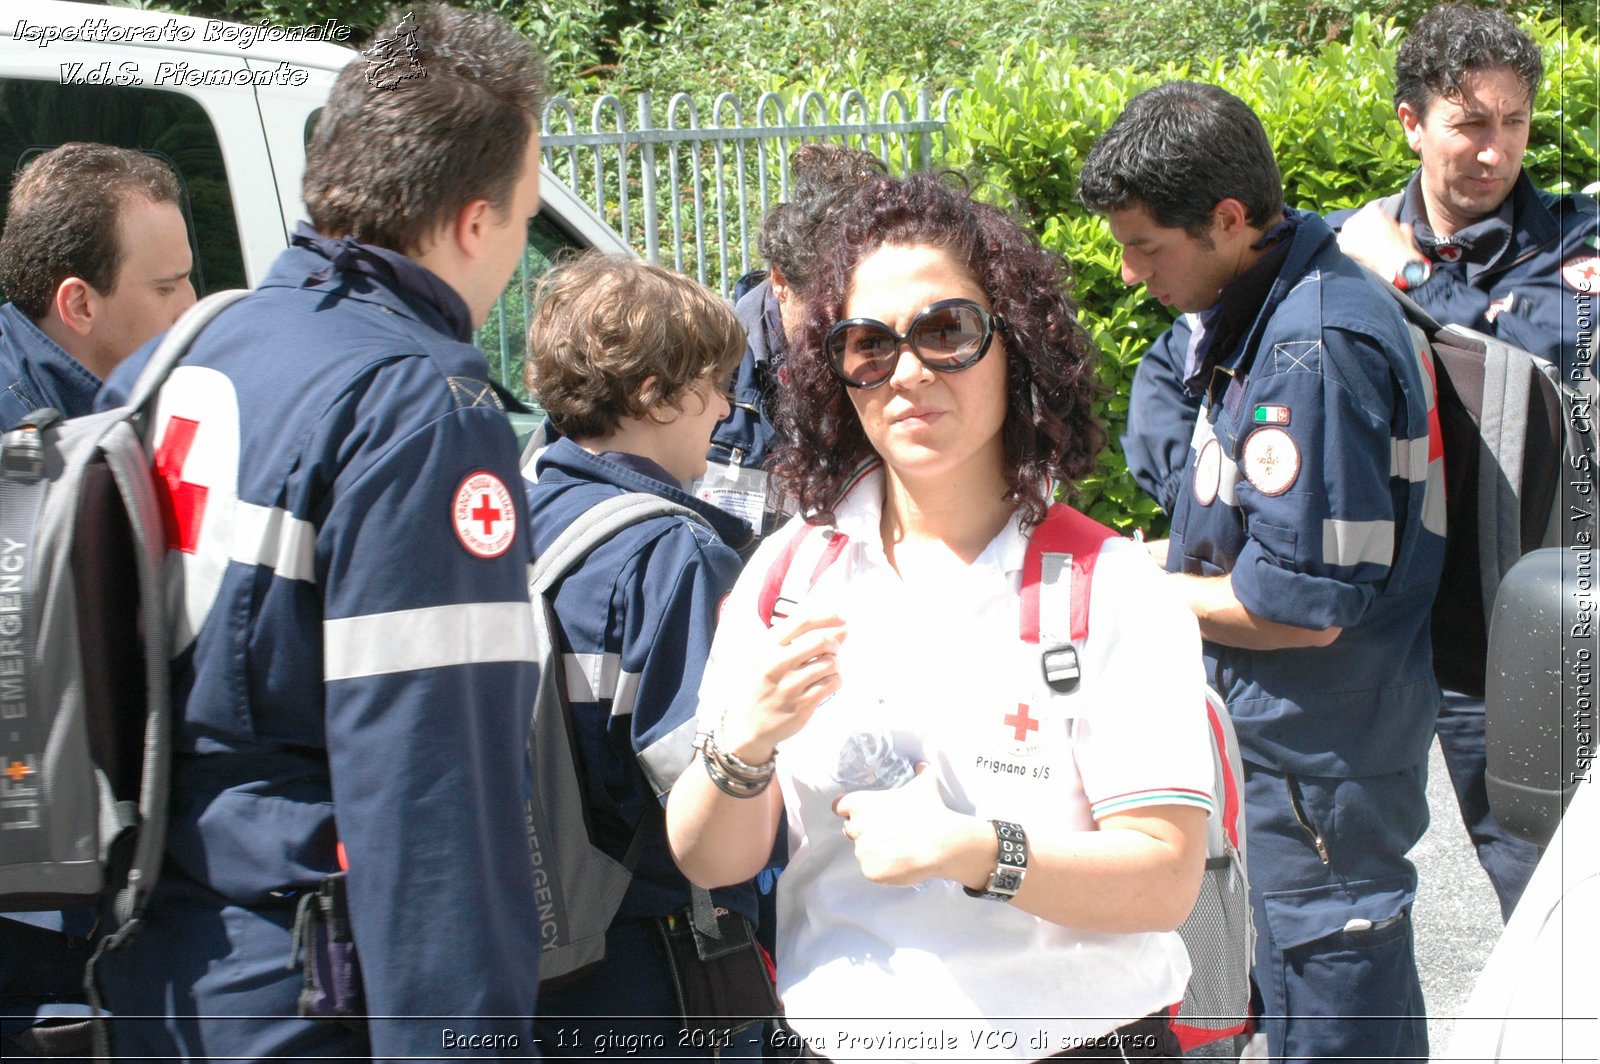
[(348, 551), (770, 304), (1476, 244), (95, 260), (1307, 538)]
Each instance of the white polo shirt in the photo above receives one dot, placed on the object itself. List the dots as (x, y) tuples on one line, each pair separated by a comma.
[(940, 675)]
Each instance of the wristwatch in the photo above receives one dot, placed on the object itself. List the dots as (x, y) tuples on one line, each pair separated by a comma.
[(1012, 866), (1413, 274)]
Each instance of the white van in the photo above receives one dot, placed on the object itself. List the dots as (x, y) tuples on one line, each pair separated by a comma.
[(230, 107)]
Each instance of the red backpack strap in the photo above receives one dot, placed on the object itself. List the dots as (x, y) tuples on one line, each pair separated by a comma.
[(1057, 572), (779, 594)]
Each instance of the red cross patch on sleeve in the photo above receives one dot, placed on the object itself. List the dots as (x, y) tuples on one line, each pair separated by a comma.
[(484, 515), (1582, 273)]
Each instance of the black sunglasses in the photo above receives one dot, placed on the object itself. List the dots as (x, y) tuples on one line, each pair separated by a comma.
[(947, 337)]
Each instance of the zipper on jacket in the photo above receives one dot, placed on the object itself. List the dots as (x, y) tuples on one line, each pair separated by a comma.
[(1300, 815)]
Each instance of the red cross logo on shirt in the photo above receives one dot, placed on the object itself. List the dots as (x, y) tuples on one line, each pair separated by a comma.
[(183, 505), (486, 514), (1022, 722)]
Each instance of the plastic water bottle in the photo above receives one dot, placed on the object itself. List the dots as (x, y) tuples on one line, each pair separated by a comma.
[(869, 761)]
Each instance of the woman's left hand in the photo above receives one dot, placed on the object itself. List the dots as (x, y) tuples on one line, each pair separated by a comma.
[(907, 835)]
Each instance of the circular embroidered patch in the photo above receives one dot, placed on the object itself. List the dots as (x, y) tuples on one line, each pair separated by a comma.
[(484, 515), (1448, 252), (1582, 273), (1271, 460), (1208, 473)]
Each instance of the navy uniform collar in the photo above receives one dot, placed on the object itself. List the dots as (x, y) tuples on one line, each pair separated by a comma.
[(374, 274), (1218, 329), (65, 382), (1522, 226), (635, 474)]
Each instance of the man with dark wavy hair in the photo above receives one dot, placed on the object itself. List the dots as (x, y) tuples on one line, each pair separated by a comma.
[(793, 240), (1469, 237), (354, 655), (1475, 244), (95, 259), (1309, 554)]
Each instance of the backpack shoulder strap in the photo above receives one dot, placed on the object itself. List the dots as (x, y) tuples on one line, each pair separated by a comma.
[(814, 548), (177, 341), (595, 526), (1056, 576)]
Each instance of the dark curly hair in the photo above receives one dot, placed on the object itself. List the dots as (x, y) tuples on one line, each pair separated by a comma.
[(825, 177), (1454, 41), (1050, 430)]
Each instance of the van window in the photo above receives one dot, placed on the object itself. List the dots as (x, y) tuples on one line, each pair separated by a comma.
[(36, 116), (503, 337)]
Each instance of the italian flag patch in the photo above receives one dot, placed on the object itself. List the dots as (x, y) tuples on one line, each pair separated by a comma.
[(1272, 415)]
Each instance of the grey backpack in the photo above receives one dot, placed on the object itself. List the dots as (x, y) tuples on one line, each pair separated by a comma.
[(1519, 475), (578, 887), (84, 688)]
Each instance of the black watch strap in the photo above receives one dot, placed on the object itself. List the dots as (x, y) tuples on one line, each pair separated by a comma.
[(1012, 866)]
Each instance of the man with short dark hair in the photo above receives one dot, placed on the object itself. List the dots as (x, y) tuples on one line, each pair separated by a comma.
[(770, 305), (1469, 237), (348, 552), (95, 260), (1307, 539), (1475, 244)]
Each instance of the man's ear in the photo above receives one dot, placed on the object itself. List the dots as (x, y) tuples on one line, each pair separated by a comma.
[(1411, 122), (75, 304), (471, 222), (780, 284), (1229, 216)]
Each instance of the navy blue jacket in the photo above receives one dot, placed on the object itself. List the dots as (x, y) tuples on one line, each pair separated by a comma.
[(35, 372), (353, 644), (636, 620), (1508, 275), (1519, 285), (742, 442), (746, 436), (1161, 415), (1315, 482)]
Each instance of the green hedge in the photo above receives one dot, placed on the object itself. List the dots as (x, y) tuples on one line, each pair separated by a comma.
[(1031, 115)]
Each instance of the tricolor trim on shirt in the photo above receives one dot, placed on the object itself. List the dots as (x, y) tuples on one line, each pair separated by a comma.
[(1121, 803)]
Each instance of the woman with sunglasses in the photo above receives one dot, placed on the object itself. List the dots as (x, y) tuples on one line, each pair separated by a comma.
[(976, 867)]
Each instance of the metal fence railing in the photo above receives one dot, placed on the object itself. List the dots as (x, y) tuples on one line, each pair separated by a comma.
[(692, 194), (688, 187)]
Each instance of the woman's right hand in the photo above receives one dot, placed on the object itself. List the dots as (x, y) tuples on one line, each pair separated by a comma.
[(793, 673)]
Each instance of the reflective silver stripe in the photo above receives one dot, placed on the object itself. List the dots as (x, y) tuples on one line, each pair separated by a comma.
[(1356, 542), (626, 695), (1433, 504), (1228, 483), (591, 677), (269, 536), (434, 637), (1055, 597), (665, 759), (1408, 459)]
